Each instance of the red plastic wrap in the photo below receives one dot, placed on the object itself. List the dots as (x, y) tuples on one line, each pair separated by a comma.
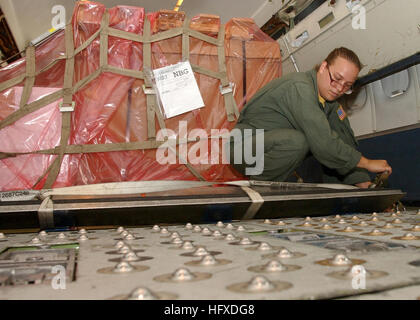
[(112, 108), (36, 131)]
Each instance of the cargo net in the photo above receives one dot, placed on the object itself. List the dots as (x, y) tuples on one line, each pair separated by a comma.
[(79, 108)]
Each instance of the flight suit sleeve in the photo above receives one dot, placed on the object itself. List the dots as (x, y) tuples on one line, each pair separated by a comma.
[(325, 144), (345, 132)]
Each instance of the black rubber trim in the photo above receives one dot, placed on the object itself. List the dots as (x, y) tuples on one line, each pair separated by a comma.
[(299, 17), (388, 70), (308, 10)]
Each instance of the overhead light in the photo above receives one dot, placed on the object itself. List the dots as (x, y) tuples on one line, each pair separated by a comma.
[(178, 5)]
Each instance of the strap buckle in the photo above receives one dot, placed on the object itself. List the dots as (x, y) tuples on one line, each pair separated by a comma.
[(66, 107), (148, 90), (227, 89)]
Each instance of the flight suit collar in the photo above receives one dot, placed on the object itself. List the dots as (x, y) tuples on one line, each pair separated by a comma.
[(321, 100), (312, 74)]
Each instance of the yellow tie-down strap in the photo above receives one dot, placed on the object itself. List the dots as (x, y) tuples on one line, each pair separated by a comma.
[(256, 204)]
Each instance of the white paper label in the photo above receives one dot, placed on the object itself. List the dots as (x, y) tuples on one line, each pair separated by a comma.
[(178, 89), (18, 195)]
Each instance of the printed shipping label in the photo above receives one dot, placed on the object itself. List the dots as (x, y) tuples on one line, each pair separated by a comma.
[(178, 89)]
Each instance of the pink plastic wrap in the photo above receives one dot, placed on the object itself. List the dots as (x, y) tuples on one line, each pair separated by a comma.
[(112, 108)]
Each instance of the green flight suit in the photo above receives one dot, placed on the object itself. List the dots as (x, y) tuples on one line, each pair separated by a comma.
[(297, 124)]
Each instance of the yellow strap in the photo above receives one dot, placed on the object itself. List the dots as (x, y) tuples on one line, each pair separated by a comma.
[(124, 72), (159, 117), (93, 148), (207, 72), (151, 107), (186, 42), (5, 155), (50, 65), (42, 176), (125, 35), (257, 202), (104, 40), (65, 116), (188, 165), (147, 49), (203, 37), (56, 165), (150, 98), (82, 83), (230, 104), (32, 107), (163, 35), (30, 76), (221, 55), (69, 69), (87, 42), (12, 82), (126, 187), (46, 214), (108, 147), (171, 33)]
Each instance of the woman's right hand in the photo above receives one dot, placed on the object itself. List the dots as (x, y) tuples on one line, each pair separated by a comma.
[(376, 166)]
